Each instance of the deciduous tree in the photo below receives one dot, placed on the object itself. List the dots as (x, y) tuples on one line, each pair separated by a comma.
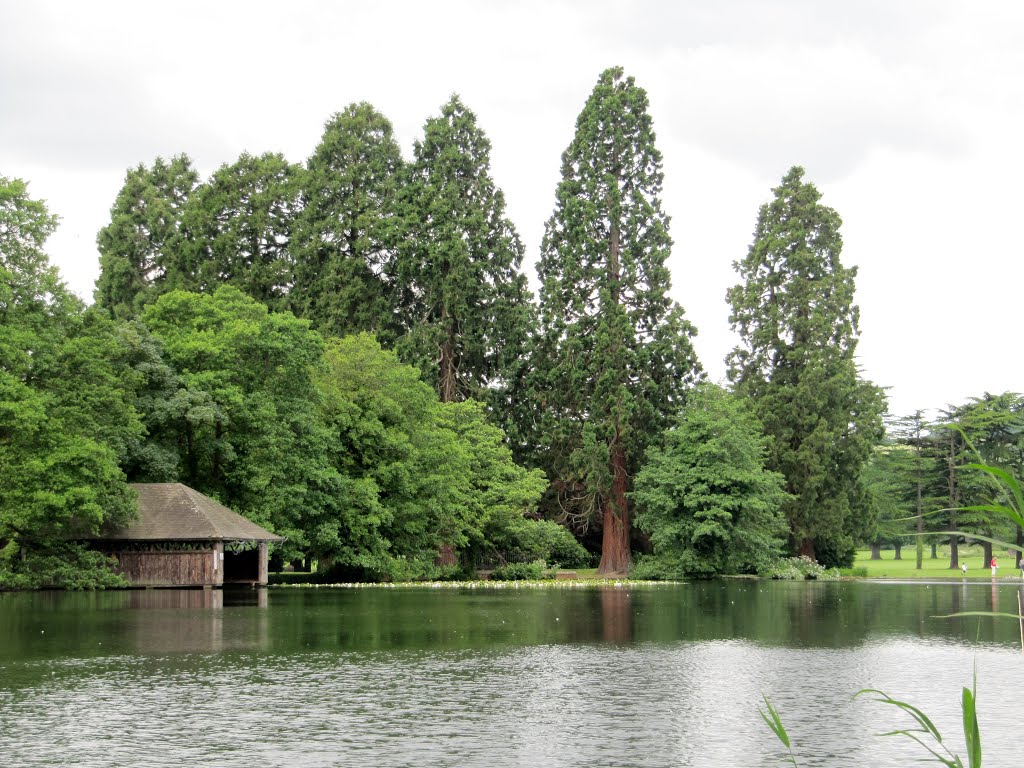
[(65, 414), (246, 416)]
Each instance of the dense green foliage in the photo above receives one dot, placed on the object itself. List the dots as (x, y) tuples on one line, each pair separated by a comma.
[(144, 236), (245, 418), (347, 353), (614, 356), (464, 297), (797, 321), (417, 475), (347, 233), (65, 416), (237, 229), (704, 495)]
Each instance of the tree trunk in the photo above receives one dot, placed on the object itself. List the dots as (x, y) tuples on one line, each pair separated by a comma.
[(876, 551), (615, 557), (954, 552), (986, 549), (899, 551), (807, 548), (615, 554), (447, 379), (446, 555), (935, 550), (919, 544)]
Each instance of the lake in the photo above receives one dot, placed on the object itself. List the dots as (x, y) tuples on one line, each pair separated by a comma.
[(665, 675)]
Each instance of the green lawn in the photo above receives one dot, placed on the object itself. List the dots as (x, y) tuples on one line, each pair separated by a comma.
[(906, 568)]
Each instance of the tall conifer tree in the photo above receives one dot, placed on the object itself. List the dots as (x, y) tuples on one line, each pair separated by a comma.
[(465, 303), (237, 230), (798, 324), (145, 229), (614, 357), (346, 237)]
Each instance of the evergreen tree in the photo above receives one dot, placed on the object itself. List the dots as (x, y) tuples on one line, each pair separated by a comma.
[(144, 232), (889, 489), (920, 473), (705, 497), (989, 429), (465, 303), (348, 231), (614, 356), (798, 324), (237, 230)]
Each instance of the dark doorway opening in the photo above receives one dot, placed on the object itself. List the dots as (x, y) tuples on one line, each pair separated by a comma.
[(242, 567)]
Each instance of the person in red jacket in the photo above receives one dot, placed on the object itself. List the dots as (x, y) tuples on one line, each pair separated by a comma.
[(994, 566)]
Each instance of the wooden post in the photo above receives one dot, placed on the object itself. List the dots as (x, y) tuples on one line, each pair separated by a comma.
[(263, 558), (218, 563)]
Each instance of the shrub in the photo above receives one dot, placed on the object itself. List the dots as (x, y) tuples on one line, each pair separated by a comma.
[(67, 565), (655, 568), (798, 569), (535, 571)]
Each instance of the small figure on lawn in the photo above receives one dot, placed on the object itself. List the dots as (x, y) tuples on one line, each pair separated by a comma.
[(994, 566), (963, 568)]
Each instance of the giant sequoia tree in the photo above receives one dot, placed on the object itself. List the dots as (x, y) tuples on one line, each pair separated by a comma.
[(614, 357), (464, 301), (798, 324)]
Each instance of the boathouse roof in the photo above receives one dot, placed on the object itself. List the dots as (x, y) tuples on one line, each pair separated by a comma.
[(175, 512)]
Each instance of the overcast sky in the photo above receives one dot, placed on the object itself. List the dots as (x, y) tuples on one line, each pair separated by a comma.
[(908, 116)]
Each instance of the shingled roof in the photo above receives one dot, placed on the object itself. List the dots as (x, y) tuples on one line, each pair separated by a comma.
[(175, 512)]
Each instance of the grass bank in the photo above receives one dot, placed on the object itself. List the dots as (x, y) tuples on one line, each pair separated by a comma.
[(938, 568)]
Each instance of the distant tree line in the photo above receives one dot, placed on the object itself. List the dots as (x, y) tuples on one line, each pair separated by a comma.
[(347, 352), (922, 490)]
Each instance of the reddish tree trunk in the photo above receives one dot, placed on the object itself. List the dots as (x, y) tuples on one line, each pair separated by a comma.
[(807, 548), (615, 557), (446, 555)]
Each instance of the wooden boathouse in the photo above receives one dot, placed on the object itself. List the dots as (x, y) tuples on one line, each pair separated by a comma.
[(185, 539)]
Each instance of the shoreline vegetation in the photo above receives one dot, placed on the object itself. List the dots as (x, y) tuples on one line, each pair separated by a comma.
[(347, 352), (887, 568)]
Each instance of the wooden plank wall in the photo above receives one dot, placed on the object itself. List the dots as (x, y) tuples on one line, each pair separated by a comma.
[(164, 569)]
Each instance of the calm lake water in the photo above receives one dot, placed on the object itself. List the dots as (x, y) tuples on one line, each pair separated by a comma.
[(667, 675)]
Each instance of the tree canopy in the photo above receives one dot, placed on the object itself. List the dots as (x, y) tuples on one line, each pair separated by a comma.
[(463, 294), (65, 415), (704, 494), (613, 358), (798, 326)]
